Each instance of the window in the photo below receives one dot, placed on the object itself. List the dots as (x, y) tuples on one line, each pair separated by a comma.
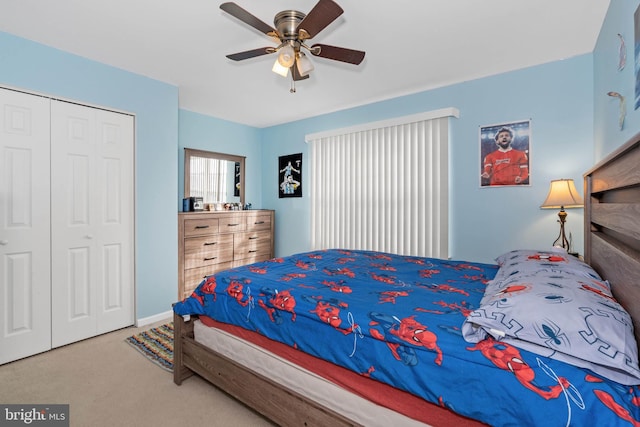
[(382, 186)]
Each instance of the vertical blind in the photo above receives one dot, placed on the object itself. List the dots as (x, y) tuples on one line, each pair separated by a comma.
[(384, 188)]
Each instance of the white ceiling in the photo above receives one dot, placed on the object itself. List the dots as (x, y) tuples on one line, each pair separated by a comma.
[(411, 46)]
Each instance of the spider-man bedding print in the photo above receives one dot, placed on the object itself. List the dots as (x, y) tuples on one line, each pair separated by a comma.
[(398, 320)]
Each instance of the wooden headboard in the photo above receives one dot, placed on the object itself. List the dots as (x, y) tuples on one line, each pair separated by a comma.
[(612, 224)]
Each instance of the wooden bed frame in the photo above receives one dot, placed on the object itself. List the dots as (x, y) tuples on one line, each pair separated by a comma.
[(612, 247), (612, 224), (254, 390)]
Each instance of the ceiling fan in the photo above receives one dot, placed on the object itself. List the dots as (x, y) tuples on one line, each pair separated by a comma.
[(292, 30)]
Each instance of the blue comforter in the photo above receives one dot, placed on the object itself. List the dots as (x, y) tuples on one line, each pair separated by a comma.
[(398, 320)]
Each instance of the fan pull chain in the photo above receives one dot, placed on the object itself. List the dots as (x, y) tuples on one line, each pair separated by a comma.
[(293, 86)]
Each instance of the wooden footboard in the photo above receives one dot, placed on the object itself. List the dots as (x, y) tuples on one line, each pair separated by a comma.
[(276, 402), (181, 331)]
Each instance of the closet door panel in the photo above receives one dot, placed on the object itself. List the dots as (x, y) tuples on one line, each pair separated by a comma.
[(115, 183), (92, 214), (74, 268), (24, 226)]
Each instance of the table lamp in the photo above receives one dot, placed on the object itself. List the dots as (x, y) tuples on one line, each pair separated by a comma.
[(562, 194)]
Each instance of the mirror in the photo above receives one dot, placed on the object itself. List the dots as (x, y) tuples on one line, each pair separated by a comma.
[(216, 177)]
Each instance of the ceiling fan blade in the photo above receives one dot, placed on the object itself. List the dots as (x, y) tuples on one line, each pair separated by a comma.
[(322, 14), (246, 17), (296, 74), (338, 53), (251, 53)]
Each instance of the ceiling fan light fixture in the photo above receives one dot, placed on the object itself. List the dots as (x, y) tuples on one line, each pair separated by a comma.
[(287, 56), (304, 64), (291, 30), (279, 69)]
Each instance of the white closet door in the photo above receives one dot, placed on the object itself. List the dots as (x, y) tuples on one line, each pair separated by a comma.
[(25, 316), (92, 222)]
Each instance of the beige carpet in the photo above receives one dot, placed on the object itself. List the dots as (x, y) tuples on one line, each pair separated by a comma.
[(108, 383)]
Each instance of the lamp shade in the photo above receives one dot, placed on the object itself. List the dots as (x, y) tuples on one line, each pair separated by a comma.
[(287, 56), (279, 69), (304, 64), (562, 194)]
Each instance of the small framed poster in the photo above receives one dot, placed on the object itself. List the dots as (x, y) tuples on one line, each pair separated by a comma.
[(236, 180), (290, 175)]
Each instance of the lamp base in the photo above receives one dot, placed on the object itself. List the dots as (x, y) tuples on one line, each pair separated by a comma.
[(562, 241)]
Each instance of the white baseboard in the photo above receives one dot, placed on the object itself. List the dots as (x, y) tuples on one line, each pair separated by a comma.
[(167, 315)]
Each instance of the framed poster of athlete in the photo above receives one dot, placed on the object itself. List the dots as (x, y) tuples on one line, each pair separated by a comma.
[(290, 175), (236, 180), (504, 154)]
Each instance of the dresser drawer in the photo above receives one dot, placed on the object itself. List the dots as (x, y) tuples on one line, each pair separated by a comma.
[(252, 244), (193, 276), (258, 222), (207, 250), (198, 227), (232, 224)]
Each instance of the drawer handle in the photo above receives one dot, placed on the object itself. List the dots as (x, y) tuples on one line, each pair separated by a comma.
[(198, 227), (211, 243), (232, 225), (252, 251), (259, 222), (209, 259), (253, 238)]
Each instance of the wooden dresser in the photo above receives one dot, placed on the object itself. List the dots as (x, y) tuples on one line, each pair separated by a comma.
[(213, 241)]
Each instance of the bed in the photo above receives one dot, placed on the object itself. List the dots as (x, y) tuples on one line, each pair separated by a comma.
[(416, 341)]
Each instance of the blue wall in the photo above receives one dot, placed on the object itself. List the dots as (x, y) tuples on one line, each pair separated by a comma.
[(607, 133), (484, 222), (212, 134), (34, 67), (573, 124)]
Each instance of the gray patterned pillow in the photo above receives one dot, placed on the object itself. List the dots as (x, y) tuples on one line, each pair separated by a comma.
[(560, 309)]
